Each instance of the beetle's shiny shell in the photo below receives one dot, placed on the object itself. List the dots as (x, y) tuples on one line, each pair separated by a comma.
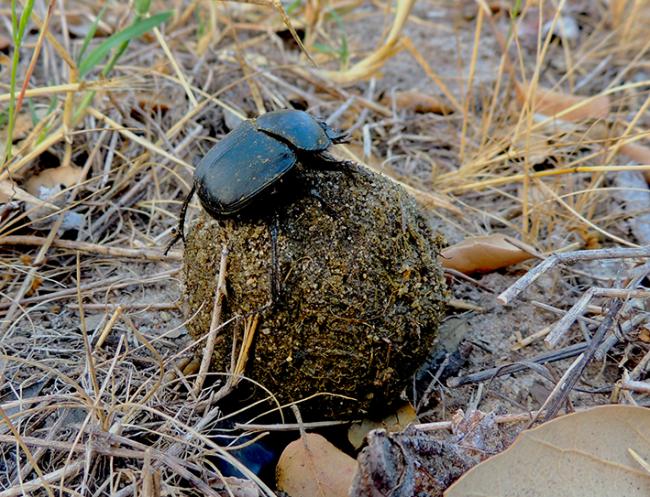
[(254, 156), (295, 127)]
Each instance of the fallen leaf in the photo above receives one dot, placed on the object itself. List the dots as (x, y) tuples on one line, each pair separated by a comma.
[(4, 42), (564, 106), (638, 153), (585, 453), (48, 182), (22, 126), (482, 254), (417, 102), (397, 421), (313, 467), (9, 191)]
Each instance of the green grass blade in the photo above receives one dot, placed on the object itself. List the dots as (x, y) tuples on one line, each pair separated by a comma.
[(134, 31), (90, 34)]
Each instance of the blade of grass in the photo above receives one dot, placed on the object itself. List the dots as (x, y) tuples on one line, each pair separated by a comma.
[(114, 41), (17, 31), (90, 34)]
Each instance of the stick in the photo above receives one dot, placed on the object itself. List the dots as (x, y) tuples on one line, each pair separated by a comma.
[(568, 258), (219, 294)]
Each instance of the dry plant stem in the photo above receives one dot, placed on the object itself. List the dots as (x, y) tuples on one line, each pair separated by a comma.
[(641, 366), (501, 419), (108, 327), (488, 374), (636, 386), (568, 258), (208, 350), (613, 338), (562, 326), (92, 248), (159, 306), (27, 282), (19, 443), (568, 381), (108, 284), (68, 471), (289, 426)]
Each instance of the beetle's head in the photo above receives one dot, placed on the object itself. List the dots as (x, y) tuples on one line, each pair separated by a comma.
[(334, 135)]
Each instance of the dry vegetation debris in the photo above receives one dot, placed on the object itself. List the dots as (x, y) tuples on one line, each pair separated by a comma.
[(526, 119)]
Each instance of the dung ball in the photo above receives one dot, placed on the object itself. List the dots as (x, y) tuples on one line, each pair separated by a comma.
[(361, 292)]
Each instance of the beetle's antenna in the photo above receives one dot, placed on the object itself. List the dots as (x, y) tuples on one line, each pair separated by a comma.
[(180, 231)]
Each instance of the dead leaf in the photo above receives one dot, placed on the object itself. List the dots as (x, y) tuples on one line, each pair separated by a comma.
[(4, 42), (313, 467), (638, 153), (482, 254), (10, 191), (398, 421), (585, 453), (417, 102), (554, 103), (48, 182)]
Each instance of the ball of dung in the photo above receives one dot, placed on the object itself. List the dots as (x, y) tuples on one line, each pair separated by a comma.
[(361, 292)]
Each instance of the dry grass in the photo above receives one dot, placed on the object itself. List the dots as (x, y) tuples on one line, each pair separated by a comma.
[(95, 400)]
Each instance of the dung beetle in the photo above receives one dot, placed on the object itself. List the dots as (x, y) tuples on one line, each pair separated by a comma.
[(254, 157)]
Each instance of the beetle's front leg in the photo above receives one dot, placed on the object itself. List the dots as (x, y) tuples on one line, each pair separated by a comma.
[(276, 285), (180, 231)]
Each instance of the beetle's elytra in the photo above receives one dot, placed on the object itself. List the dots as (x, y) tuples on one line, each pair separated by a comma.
[(254, 157)]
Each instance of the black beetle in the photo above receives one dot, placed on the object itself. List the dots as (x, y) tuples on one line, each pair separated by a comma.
[(254, 157)]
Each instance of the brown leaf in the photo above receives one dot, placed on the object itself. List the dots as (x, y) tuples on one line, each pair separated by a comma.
[(417, 102), (638, 153), (312, 467), (398, 421), (482, 254), (4, 42), (585, 453), (552, 103), (49, 181), (9, 191)]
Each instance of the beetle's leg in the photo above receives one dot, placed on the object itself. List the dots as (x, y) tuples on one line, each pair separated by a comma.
[(328, 162), (331, 211), (276, 286), (180, 231)]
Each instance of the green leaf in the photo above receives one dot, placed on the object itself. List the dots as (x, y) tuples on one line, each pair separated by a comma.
[(293, 6), (322, 48), (134, 31), (90, 34)]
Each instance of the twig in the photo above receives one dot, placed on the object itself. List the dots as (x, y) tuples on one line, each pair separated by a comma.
[(570, 378), (219, 294), (568, 258), (488, 374), (96, 286), (66, 471), (614, 337), (93, 248), (289, 426), (108, 327), (633, 385), (563, 325), (132, 306), (501, 419)]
